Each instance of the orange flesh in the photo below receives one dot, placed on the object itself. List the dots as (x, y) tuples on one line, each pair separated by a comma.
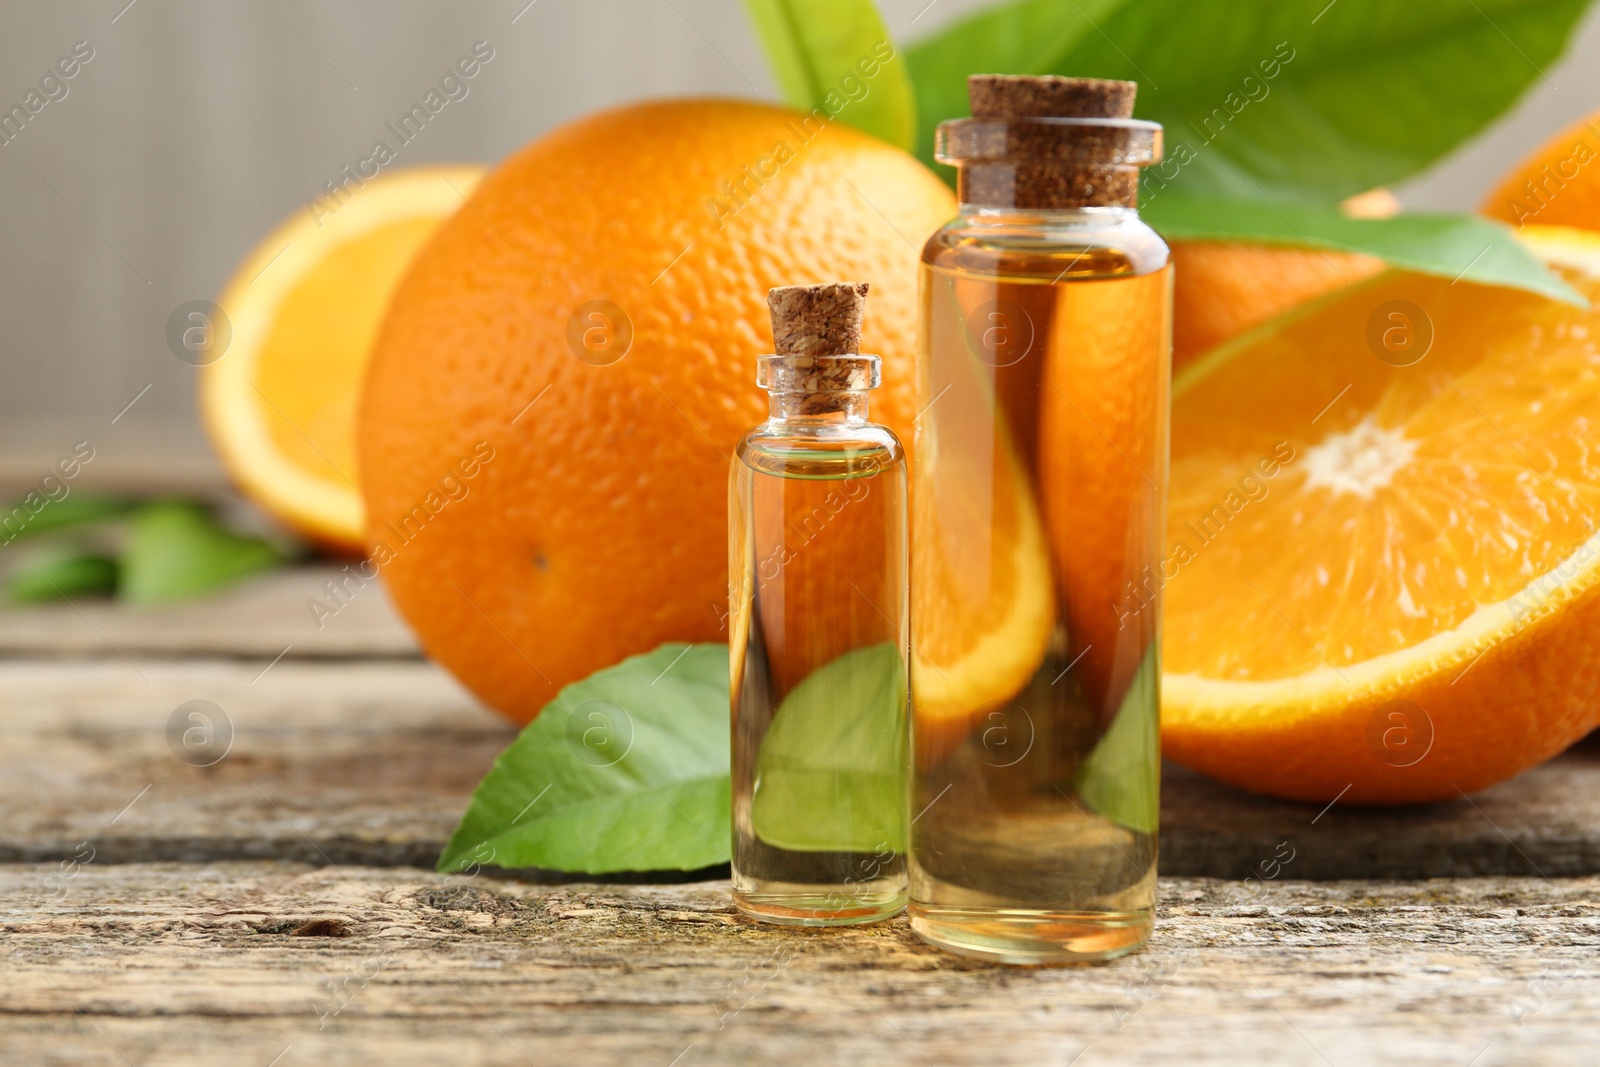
[(304, 367), (1372, 506)]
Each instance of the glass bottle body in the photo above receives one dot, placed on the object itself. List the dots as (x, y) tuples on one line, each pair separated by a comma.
[(1039, 504), (818, 629)]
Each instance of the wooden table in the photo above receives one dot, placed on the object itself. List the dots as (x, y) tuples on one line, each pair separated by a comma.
[(277, 907)]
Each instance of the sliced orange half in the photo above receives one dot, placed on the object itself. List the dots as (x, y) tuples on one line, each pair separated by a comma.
[(982, 607), (982, 592), (1383, 539), (279, 402)]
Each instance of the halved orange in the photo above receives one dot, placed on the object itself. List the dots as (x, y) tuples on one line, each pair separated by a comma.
[(280, 402), (982, 606), (982, 593), (1381, 570)]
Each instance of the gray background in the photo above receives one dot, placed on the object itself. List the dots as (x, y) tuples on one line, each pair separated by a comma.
[(200, 124)]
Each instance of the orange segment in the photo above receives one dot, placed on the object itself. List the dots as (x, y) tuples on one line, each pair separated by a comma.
[(1344, 532), (280, 404)]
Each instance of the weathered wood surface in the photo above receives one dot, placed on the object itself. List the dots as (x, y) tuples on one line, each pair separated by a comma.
[(372, 763), (269, 908), (260, 618), (244, 962)]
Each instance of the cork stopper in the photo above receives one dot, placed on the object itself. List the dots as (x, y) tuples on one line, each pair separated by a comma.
[(1049, 96), (817, 320), (1049, 142), (816, 335)]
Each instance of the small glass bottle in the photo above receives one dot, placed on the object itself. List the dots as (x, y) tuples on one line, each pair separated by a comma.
[(1038, 508), (818, 629)]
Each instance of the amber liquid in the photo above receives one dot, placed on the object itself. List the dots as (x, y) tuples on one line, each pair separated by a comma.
[(1044, 368), (819, 678)]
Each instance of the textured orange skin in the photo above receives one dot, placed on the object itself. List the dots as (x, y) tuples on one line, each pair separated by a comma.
[(1220, 290), (1566, 194), (1223, 288), (1527, 699), (599, 528)]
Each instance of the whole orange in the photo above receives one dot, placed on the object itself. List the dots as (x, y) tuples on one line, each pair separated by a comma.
[(1223, 288), (552, 402), (1557, 184)]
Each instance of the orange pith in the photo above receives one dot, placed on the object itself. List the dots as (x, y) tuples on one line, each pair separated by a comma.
[(1344, 532)]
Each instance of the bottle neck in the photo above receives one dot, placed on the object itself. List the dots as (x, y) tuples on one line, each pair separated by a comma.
[(1047, 185), (1035, 162), (819, 410), (826, 390), (1005, 217)]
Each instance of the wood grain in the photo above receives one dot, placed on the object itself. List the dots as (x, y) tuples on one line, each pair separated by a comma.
[(179, 964), (372, 762), (255, 620), (269, 908)]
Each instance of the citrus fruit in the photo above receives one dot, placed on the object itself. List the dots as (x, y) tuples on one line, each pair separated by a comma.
[(1101, 466), (583, 339), (982, 607), (279, 403), (1558, 184), (1381, 559), (1223, 288), (982, 599)]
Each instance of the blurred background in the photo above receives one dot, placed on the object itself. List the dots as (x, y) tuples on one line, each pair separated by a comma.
[(197, 126)]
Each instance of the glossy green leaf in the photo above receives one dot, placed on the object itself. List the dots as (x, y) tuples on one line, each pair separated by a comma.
[(1121, 777), (1301, 99), (176, 550), (836, 55), (831, 773), (58, 575), (1032, 37), (36, 513), (626, 770), (1462, 247)]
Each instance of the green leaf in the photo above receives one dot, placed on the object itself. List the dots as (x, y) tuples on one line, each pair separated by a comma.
[(1121, 776), (1032, 37), (1361, 93), (176, 550), (626, 770), (58, 575), (1454, 246), (837, 55), (831, 773), (19, 519)]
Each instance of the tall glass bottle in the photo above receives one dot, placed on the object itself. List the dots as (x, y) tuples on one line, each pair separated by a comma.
[(818, 629), (1039, 499)]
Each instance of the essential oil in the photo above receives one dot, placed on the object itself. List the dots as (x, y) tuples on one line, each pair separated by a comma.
[(818, 629), (1040, 465)]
